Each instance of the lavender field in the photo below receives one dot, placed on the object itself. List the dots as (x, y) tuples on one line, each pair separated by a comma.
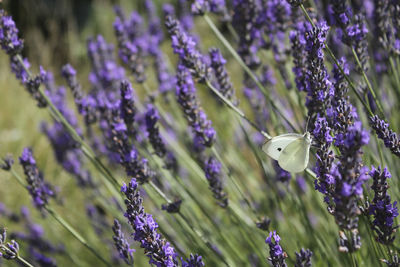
[(199, 133)]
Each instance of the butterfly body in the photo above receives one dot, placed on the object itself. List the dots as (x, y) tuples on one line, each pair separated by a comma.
[(292, 151)]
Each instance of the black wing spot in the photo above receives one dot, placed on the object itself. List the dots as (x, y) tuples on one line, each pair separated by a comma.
[(279, 149)]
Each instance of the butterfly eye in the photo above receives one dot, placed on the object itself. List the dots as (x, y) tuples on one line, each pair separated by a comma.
[(279, 149)]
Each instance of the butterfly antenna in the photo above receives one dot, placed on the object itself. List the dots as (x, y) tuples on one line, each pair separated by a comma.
[(308, 120)]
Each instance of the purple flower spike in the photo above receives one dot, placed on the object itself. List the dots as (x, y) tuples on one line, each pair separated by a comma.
[(8, 161), (200, 7), (244, 20), (9, 40), (295, 3), (166, 79), (122, 245), (389, 137), (173, 207), (83, 104), (9, 250), (132, 44), (381, 208), (40, 191), (197, 119), (185, 47), (193, 261), (224, 84), (13, 46), (160, 252), (105, 74), (212, 169), (303, 258), (127, 107), (277, 255), (157, 143)]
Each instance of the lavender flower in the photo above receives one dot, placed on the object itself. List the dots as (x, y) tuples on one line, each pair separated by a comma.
[(85, 105), (9, 250), (9, 40), (394, 261), (34, 236), (244, 21), (303, 258), (193, 261), (224, 84), (13, 46), (383, 211), (132, 44), (349, 173), (31, 84), (358, 35), (8, 161), (383, 25), (157, 143), (197, 119), (126, 153), (173, 207), (276, 16), (325, 157), (152, 117), (160, 252), (156, 35), (200, 7), (65, 148), (106, 75), (122, 245), (277, 255), (281, 175), (298, 41), (185, 47), (127, 107), (41, 259), (212, 170), (40, 190), (98, 218), (263, 224), (319, 86), (383, 131), (295, 3), (165, 78)]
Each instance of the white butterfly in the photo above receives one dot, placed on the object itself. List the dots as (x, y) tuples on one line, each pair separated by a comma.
[(292, 151)]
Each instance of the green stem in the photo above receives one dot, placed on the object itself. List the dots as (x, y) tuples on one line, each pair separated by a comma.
[(396, 74), (18, 257), (236, 110), (243, 116), (370, 89), (75, 234), (85, 148), (24, 262), (233, 180), (246, 68), (185, 220), (64, 223)]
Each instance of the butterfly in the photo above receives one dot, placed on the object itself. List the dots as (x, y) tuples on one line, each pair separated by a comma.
[(291, 150)]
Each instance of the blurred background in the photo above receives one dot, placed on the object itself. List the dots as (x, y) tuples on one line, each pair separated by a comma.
[(55, 33)]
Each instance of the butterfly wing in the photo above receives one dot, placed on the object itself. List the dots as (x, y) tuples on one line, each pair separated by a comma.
[(276, 145), (294, 158)]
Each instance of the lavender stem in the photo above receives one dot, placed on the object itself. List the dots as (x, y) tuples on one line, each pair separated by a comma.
[(247, 69), (371, 90), (18, 257), (109, 178), (64, 223)]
